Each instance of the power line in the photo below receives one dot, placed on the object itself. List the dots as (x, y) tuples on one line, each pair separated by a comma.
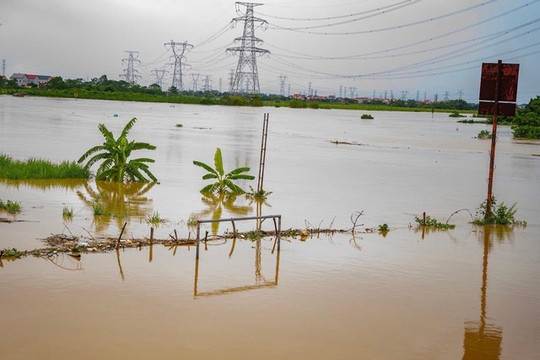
[(384, 8), (395, 27), (385, 52)]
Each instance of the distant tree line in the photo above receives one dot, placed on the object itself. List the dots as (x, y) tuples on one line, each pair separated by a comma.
[(104, 88)]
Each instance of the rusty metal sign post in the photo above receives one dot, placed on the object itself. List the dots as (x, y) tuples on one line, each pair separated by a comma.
[(498, 94)]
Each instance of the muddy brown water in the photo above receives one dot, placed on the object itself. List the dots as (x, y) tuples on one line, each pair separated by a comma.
[(465, 293)]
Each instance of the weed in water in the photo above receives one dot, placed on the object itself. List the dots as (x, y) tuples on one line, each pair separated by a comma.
[(258, 195), (192, 221), (40, 169), (431, 222), (155, 219), (383, 228), (500, 214), (10, 253), (366, 117), (11, 207), (99, 209), (67, 213), (484, 134)]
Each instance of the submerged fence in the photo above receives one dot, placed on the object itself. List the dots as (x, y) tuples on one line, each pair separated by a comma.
[(276, 219)]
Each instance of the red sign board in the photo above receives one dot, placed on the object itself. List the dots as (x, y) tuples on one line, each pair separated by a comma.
[(503, 77), (504, 109)]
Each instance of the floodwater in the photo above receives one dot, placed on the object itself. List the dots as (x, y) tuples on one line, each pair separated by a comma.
[(469, 293)]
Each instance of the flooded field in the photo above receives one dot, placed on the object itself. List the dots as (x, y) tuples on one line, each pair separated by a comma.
[(469, 293)]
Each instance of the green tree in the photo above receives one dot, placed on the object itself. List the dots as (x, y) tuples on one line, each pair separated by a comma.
[(114, 154), (526, 124), (224, 182)]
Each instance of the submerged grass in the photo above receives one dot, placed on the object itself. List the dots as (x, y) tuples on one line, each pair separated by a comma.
[(40, 169), (11, 207)]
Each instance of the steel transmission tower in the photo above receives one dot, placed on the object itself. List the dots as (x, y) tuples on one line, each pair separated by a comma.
[(130, 73), (195, 81), (246, 76), (206, 86), (282, 79), (178, 49), (160, 73)]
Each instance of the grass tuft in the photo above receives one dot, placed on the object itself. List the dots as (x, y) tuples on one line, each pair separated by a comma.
[(11, 207), (40, 169)]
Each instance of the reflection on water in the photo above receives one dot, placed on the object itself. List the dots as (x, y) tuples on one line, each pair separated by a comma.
[(216, 203), (45, 184), (259, 279), (120, 202), (482, 340), (71, 262)]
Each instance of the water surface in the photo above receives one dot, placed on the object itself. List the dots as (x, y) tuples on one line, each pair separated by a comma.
[(468, 292)]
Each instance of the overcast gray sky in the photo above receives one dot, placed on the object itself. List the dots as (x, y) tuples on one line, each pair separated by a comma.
[(413, 47)]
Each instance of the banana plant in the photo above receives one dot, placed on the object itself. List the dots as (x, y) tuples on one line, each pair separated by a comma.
[(223, 181), (114, 154)]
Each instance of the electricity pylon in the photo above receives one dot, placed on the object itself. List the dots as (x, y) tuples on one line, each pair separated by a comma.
[(207, 86), (178, 49), (160, 73), (246, 76), (195, 81), (282, 79), (130, 73)]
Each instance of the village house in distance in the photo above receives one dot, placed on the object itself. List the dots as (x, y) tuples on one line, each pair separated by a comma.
[(29, 79)]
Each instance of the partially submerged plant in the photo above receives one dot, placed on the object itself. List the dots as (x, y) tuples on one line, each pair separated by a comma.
[(433, 223), (383, 228), (114, 154), (10, 253), (11, 207), (500, 214), (258, 195), (99, 209), (155, 219), (67, 213), (224, 182), (366, 117), (484, 134)]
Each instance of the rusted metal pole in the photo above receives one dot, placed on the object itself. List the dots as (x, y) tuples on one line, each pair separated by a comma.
[(119, 237), (262, 159), (493, 140), (198, 238)]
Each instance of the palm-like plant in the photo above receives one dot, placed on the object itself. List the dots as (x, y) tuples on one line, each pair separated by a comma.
[(224, 182), (114, 154)]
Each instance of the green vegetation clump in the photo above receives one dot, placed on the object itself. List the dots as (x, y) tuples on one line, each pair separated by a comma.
[(10, 253), (67, 213), (383, 228), (99, 209), (114, 154), (224, 182), (367, 117), (40, 169), (297, 104), (11, 207), (433, 223), (155, 219), (484, 134), (526, 124), (258, 195), (456, 114), (500, 214)]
